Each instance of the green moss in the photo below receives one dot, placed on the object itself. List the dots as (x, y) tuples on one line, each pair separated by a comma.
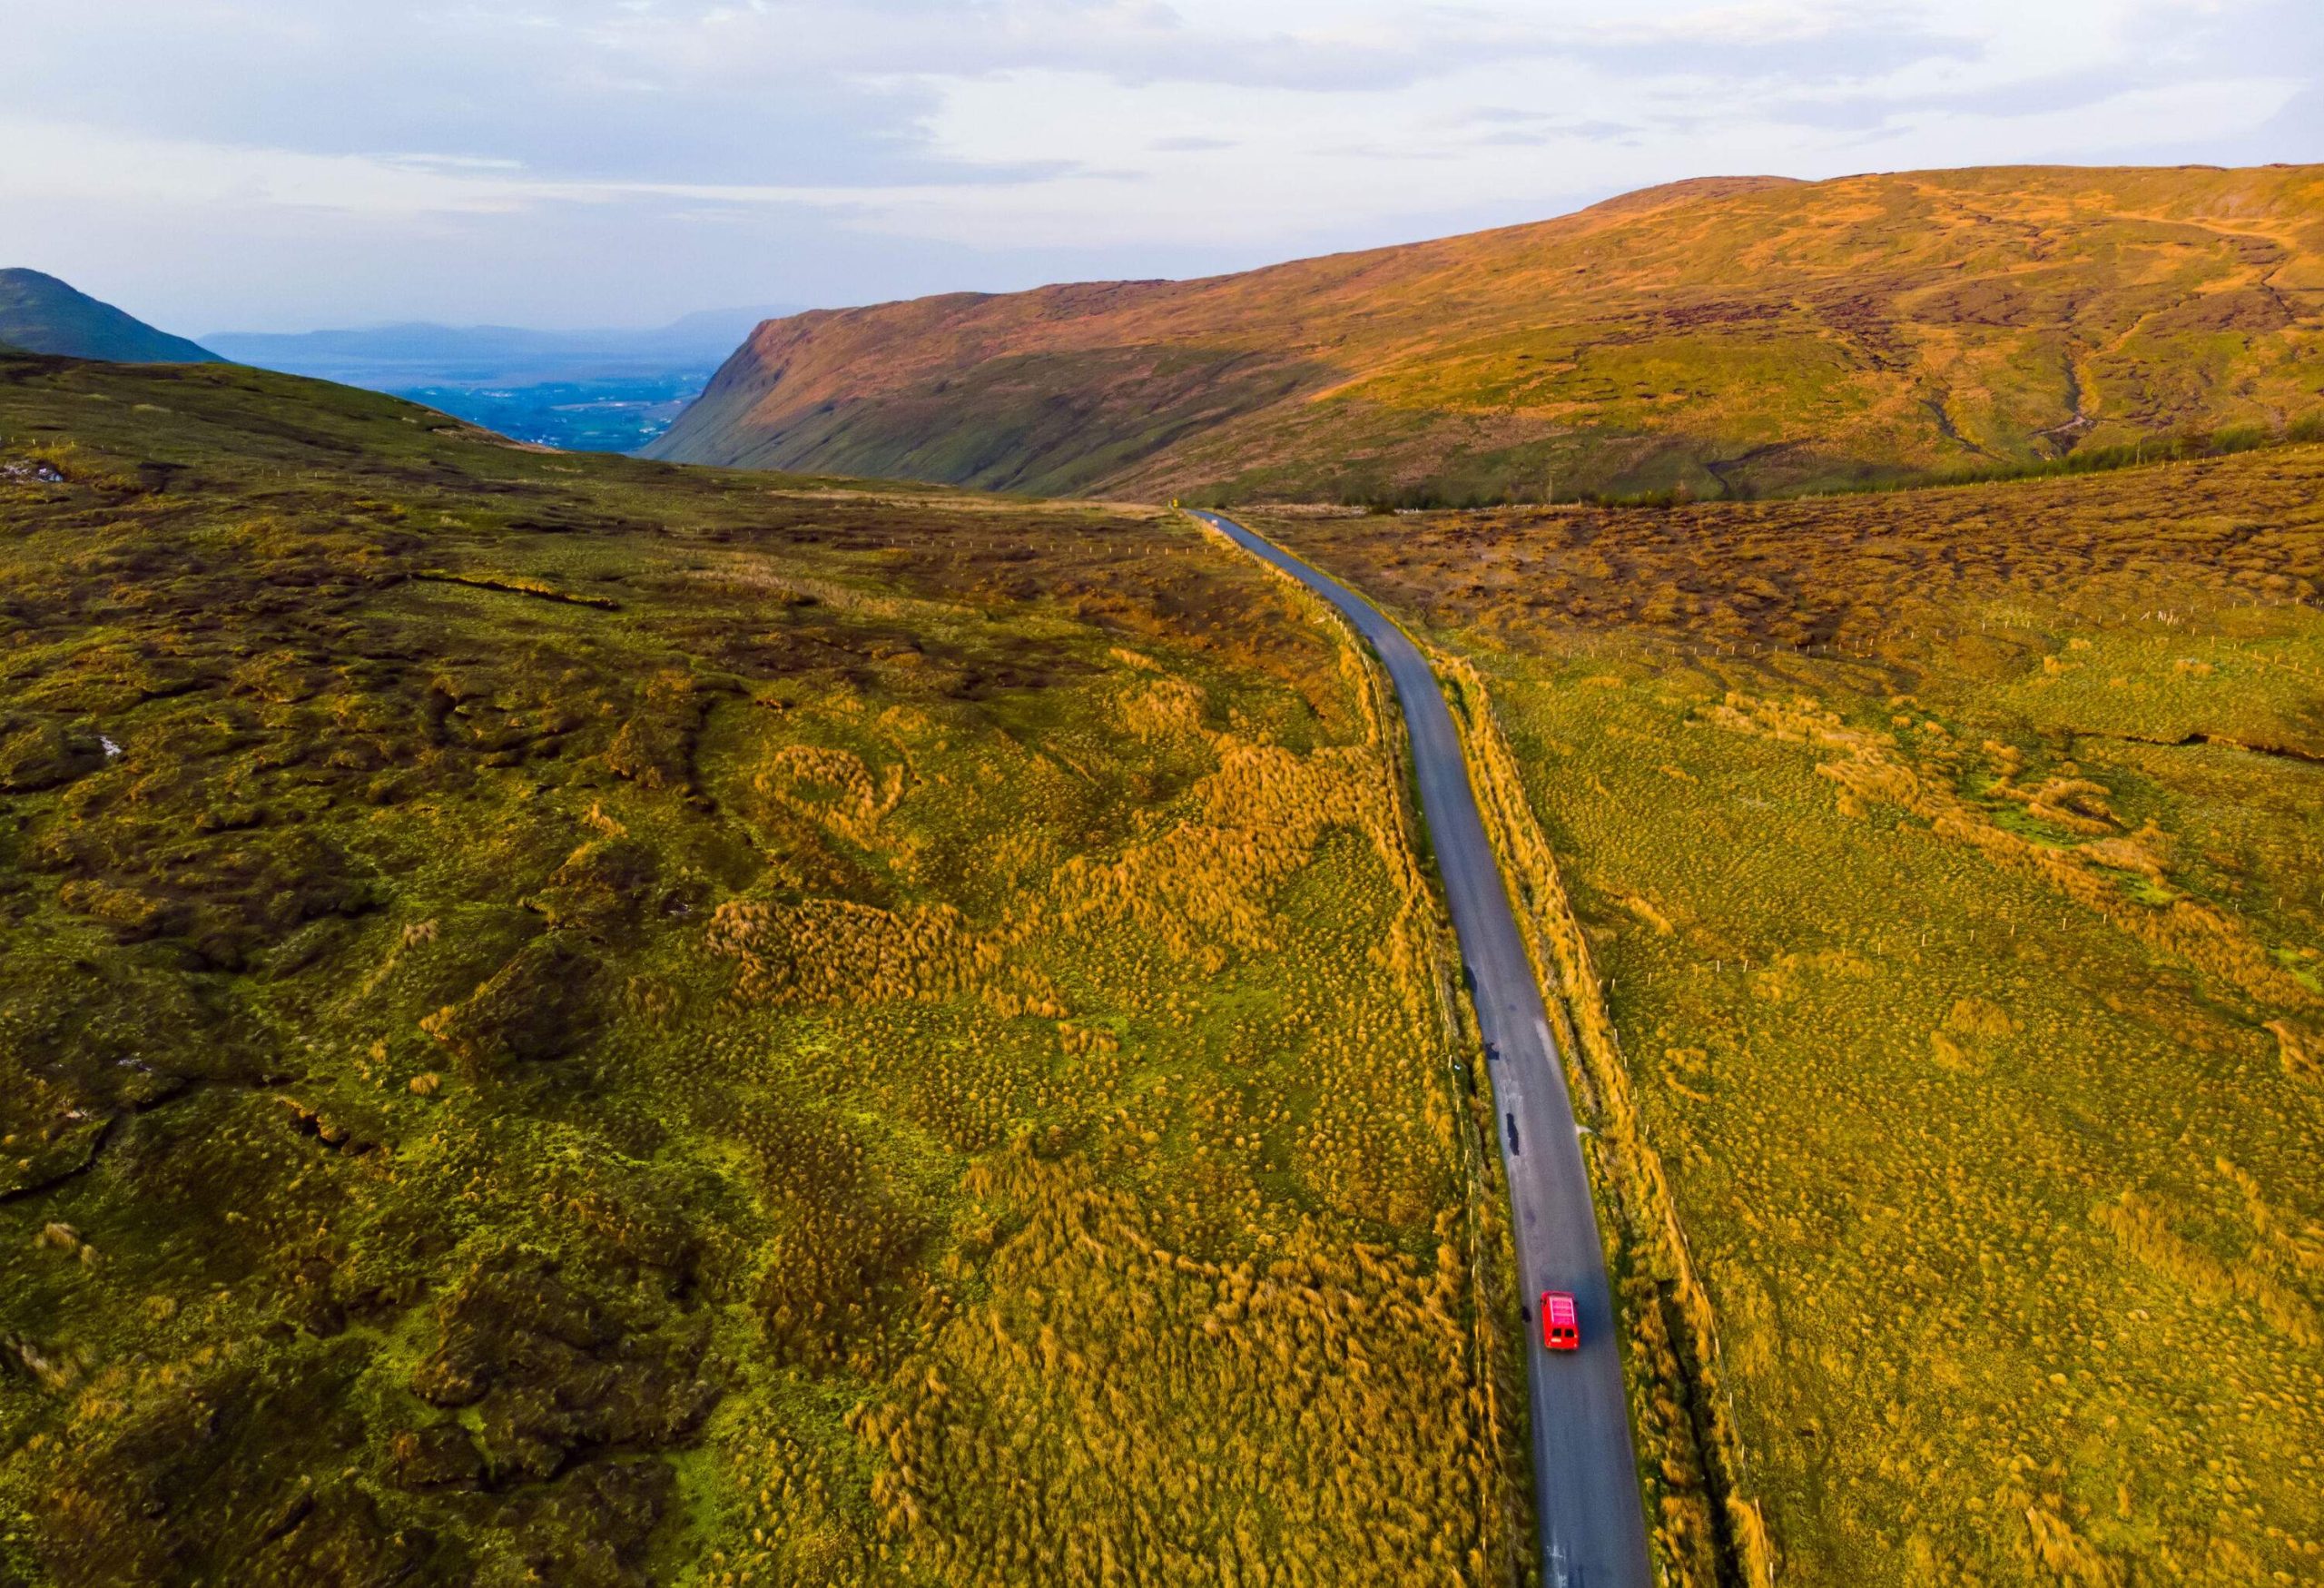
[(551, 997)]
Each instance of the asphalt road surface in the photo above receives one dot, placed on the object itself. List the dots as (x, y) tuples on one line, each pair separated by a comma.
[(1585, 1477)]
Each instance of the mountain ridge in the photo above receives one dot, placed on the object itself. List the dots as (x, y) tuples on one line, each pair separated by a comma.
[(1722, 336), (40, 313)]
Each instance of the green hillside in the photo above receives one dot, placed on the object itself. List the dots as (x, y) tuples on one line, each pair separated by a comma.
[(40, 314), (1732, 337)]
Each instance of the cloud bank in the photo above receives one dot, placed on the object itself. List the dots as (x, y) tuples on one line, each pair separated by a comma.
[(278, 163)]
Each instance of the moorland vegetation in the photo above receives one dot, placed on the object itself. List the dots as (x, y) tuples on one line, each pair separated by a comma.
[(1722, 338), (574, 1021), (1945, 871)]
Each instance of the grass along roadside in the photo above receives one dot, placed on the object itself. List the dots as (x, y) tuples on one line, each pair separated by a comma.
[(1502, 1356), (1709, 1530), (1965, 972)]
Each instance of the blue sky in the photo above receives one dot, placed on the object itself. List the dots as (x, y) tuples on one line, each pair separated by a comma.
[(279, 165)]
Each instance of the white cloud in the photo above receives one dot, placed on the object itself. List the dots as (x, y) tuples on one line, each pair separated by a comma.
[(578, 157)]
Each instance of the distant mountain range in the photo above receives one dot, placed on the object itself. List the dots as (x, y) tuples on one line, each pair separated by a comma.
[(1731, 336), (40, 314), (410, 356), (609, 391)]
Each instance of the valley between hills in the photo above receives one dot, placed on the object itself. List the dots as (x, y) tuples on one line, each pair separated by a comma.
[(589, 1019)]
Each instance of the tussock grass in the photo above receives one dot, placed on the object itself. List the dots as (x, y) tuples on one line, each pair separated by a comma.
[(573, 1021), (1952, 864)]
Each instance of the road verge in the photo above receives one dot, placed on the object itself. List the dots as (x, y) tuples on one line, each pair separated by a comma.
[(1499, 1365), (1709, 1530)]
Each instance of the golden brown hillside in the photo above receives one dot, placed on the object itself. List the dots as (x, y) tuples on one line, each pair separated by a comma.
[(1729, 337)]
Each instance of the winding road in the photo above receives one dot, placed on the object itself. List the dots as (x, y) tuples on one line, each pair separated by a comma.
[(1585, 1475)]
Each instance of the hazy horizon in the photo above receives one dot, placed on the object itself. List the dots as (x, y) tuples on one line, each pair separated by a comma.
[(659, 322)]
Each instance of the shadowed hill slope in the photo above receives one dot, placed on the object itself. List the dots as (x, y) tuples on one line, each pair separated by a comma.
[(1727, 336), (40, 314)]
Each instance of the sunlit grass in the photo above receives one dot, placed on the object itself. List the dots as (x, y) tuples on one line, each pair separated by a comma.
[(570, 1020), (1954, 865)]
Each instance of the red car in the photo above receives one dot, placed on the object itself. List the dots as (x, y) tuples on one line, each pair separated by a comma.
[(1560, 1329)]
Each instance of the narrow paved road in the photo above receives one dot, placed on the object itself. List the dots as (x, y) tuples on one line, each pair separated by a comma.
[(1594, 1527)]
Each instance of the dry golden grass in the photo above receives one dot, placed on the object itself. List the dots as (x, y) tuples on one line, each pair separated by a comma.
[(575, 1021), (1953, 865)]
